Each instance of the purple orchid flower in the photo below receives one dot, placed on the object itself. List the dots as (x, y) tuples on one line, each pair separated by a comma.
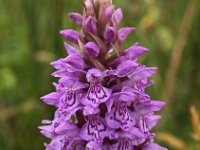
[(100, 97)]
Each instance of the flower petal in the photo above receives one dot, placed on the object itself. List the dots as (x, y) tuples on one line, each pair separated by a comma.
[(135, 51), (109, 34), (52, 99), (92, 145), (95, 129), (57, 64), (75, 61), (126, 95), (90, 25), (76, 18), (142, 73), (70, 50), (151, 120), (96, 95), (65, 127), (126, 67), (120, 117), (148, 107), (122, 144), (92, 49), (47, 130), (62, 142), (131, 53), (71, 35), (67, 71), (88, 110), (94, 75), (69, 100), (124, 32), (135, 136), (108, 13), (109, 72), (117, 16), (62, 113), (153, 146)]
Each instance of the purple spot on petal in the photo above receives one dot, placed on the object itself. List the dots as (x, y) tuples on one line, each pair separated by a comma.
[(56, 124), (95, 93), (124, 144), (95, 127)]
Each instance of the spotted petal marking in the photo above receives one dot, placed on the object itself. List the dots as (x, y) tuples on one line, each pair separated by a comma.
[(63, 114), (62, 142), (96, 94), (123, 144), (96, 126), (69, 98), (143, 126), (95, 129), (71, 94), (120, 117)]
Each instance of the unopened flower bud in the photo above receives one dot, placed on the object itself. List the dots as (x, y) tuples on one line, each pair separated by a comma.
[(92, 49), (89, 7), (90, 25), (124, 32), (76, 18), (71, 35), (109, 34), (117, 16)]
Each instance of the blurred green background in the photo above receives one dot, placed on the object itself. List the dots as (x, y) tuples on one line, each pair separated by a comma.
[(30, 40)]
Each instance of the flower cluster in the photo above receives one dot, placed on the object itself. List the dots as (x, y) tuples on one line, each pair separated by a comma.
[(100, 97)]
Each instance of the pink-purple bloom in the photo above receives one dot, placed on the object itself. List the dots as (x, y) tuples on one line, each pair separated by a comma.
[(100, 96)]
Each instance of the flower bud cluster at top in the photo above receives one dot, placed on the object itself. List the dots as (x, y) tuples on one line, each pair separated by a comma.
[(100, 97)]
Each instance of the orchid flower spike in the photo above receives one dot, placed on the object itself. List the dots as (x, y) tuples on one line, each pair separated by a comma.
[(100, 97)]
